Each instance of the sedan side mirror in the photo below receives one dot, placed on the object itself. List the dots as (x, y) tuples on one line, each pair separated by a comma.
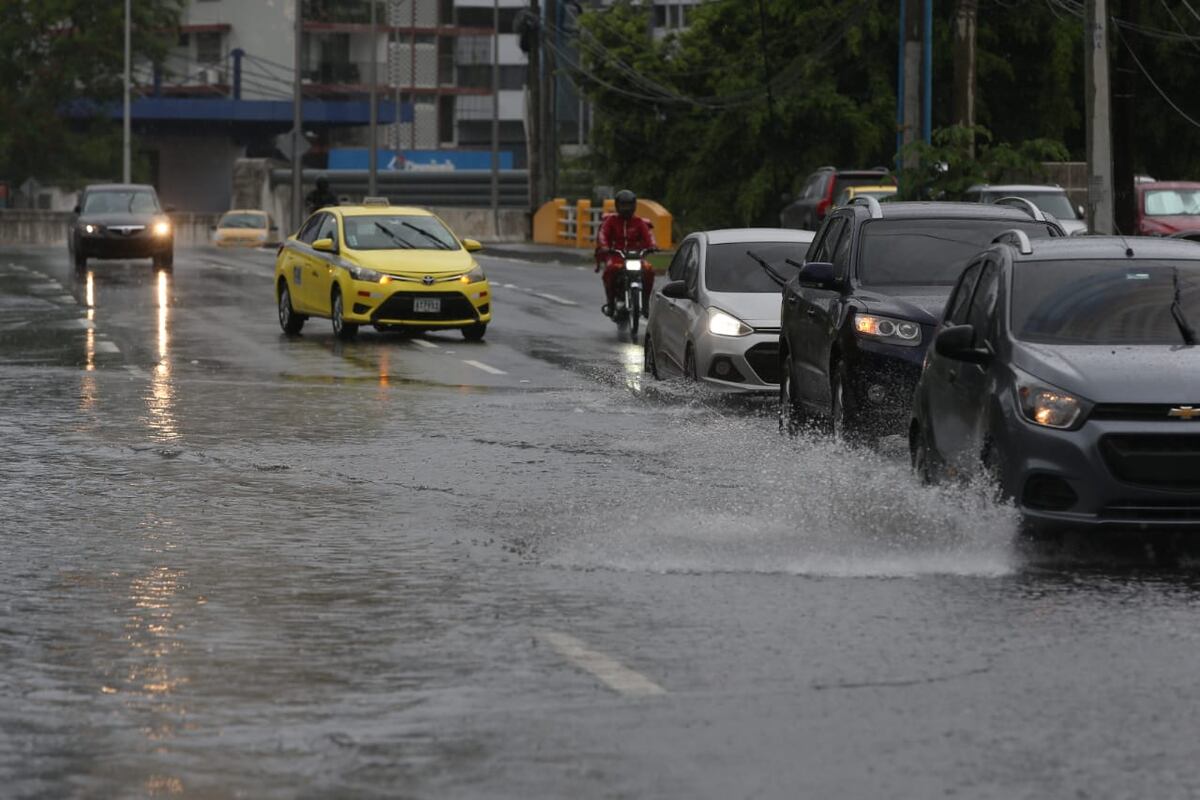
[(676, 290), (819, 274), (958, 342), (1080, 211), (78, 209), (324, 246), (471, 245)]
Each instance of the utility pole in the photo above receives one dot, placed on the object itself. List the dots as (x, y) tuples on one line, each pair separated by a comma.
[(965, 25), (373, 137), (1099, 124), (496, 118), (297, 121), (550, 105), (533, 114), (911, 97), (126, 125), (927, 73), (1124, 125), (773, 134)]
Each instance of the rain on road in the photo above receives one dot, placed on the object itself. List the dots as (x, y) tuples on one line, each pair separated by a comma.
[(234, 564)]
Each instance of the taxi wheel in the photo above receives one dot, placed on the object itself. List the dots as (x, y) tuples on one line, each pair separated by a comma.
[(289, 320), (474, 333), (341, 329)]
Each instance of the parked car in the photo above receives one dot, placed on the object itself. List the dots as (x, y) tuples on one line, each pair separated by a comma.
[(821, 188), (717, 318), (1067, 371), (1167, 208), (860, 313), (121, 220), (245, 228), (1051, 199), (881, 193)]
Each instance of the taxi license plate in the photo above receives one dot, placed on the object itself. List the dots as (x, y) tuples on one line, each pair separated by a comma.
[(427, 305)]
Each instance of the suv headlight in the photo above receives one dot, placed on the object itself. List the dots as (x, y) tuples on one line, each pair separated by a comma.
[(1049, 406), (474, 276), (723, 324), (903, 332), (363, 274)]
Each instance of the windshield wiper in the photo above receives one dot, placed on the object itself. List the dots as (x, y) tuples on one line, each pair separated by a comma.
[(1181, 320), (395, 237), (767, 268), (441, 245)]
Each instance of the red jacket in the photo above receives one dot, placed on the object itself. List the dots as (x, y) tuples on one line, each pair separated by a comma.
[(618, 233)]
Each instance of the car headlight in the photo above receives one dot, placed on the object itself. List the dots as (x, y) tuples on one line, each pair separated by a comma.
[(1047, 405), (90, 228), (364, 274), (893, 331), (474, 276), (723, 324), (162, 228)]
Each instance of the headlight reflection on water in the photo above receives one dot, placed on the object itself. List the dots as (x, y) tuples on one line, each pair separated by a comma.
[(161, 401)]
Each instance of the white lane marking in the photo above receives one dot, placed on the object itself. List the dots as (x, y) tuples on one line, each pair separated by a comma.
[(107, 347), (86, 324), (138, 372), (484, 367), (65, 299), (424, 343), (43, 288), (614, 675), (555, 299)]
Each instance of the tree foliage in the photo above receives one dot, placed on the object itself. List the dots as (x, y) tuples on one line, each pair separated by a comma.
[(54, 52)]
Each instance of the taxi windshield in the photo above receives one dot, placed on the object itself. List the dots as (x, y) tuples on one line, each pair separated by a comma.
[(243, 220), (397, 232)]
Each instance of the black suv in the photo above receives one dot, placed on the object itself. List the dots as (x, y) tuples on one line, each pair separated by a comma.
[(815, 200), (121, 220), (860, 313)]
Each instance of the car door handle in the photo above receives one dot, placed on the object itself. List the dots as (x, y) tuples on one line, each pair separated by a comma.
[(812, 312), (793, 299), (952, 376)]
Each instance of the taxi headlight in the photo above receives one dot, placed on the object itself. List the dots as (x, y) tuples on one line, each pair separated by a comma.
[(1049, 406), (474, 276), (893, 331), (723, 324), (364, 274), (162, 228)]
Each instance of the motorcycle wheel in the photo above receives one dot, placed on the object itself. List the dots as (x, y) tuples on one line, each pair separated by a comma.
[(635, 313)]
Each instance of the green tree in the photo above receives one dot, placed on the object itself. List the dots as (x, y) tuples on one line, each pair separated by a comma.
[(945, 168), (57, 52)]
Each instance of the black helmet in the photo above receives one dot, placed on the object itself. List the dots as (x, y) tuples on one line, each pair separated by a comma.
[(626, 202), (323, 184)]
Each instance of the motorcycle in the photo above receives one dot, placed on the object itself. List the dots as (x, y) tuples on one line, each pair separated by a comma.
[(628, 291)]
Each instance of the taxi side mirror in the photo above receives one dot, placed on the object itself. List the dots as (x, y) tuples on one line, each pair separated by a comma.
[(324, 246), (472, 245)]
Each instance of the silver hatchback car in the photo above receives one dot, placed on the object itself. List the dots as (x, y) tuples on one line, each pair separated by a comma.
[(717, 317)]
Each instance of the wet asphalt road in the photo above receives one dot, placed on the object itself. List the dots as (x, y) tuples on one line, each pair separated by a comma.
[(238, 565)]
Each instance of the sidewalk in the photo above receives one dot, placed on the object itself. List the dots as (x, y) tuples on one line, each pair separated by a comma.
[(543, 253)]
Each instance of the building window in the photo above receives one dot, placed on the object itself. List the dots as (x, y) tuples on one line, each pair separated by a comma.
[(208, 48)]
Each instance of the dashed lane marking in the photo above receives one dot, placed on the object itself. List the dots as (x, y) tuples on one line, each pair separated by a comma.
[(86, 324), (424, 343), (107, 347), (555, 299), (65, 299), (613, 674), (484, 367), (138, 372)]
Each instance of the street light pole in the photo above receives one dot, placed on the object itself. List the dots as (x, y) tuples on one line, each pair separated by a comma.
[(126, 142), (496, 118), (372, 139), (1099, 119), (297, 114)]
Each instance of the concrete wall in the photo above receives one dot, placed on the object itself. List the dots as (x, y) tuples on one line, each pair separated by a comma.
[(194, 171), (52, 227)]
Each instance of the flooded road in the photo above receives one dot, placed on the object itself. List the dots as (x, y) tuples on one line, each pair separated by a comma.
[(234, 564)]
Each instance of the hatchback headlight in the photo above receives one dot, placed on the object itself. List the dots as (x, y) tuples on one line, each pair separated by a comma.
[(893, 331), (723, 324), (162, 228), (474, 276), (1047, 405), (364, 274)]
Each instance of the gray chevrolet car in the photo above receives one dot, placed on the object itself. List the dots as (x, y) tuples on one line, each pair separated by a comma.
[(1068, 370)]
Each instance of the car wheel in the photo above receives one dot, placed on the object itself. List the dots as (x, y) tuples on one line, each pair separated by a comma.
[(844, 421), (341, 329), (165, 260), (289, 320), (791, 414), (474, 333), (649, 362), (918, 449), (80, 259), (689, 364)]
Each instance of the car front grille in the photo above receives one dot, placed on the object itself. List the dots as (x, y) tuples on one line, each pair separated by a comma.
[(1153, 511), (763, 358), (400, 307), (1142, 412), (1155, 461)]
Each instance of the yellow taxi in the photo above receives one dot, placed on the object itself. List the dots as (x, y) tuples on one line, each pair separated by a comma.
[(244, 227), (881, 193), (388, 266)]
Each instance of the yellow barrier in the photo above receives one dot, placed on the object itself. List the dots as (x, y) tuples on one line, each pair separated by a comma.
[(565, 225)]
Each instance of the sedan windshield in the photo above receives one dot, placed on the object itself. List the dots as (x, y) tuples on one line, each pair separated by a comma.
[(397, 232), (243, 221), (1173, 202), (120, 202), (727, 267), (1105, 302), (928, 252)]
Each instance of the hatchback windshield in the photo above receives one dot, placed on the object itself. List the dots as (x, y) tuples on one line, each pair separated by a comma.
[(1056, 203), (728, 268), (120, 202), (1105, 302), (241, 220), (1173, 202), (397, 232), (928, 252)]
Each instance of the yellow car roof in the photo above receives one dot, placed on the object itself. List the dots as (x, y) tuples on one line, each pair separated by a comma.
[(879, 189), (358, 211)]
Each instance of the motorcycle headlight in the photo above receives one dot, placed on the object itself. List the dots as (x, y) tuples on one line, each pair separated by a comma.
[(723, 324), (162, 228), (893, 331), (633, 264), (363, 274), (1049, 406), (474, 276)]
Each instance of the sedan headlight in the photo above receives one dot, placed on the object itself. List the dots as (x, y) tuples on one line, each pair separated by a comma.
[(1047, 405), (893, 331), (474, 276), (162, 228), (90, 228), (363, 274), (723, 324)]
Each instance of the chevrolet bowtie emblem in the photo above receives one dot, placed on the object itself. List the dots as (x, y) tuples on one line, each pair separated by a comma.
[(1184, 412)]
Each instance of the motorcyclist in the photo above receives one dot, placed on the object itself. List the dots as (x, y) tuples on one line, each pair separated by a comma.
[(624, 231), (321, 196)]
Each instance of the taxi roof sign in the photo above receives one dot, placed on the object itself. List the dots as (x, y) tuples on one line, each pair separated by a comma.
[(375, 201)]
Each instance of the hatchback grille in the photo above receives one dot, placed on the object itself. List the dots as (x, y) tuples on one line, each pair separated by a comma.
[(1157, 461), (1153, 510), (1137, 411), (400, 307), (764, 360)]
